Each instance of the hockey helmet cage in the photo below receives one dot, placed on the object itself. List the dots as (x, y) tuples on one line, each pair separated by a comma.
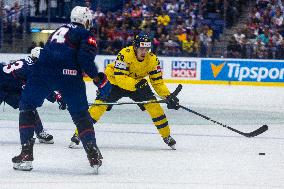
[(81, 15), (35, 52), (142, 40)]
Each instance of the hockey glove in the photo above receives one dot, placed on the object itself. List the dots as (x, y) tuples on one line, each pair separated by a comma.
[(172, 102), (104, 86), (60, 102)]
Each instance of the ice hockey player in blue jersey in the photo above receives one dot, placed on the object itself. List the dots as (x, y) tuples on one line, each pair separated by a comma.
[(13, 77), (69, 52)]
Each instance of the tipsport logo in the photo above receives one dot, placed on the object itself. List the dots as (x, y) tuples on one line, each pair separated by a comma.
[(247, 71), (184, 69)]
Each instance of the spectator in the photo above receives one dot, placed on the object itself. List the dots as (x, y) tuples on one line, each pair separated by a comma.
[(279, 54), (136, 12), (264, 37), (205, 42), (116, 28), (163, 19), (233, 48), (239, 36)]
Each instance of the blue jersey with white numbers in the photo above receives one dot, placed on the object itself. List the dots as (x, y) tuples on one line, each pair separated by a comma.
[(15, 74), (69, 51)]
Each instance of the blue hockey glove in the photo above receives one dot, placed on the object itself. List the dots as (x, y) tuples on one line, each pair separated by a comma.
[(104, 86), (60, 102), (172, 102)]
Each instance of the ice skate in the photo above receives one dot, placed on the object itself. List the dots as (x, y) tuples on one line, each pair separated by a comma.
[(170, 142), (44, 137), (94, 157), (75, 141), (23, 162)]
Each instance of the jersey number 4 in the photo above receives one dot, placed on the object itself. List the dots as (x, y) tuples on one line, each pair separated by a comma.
[(59, 35)]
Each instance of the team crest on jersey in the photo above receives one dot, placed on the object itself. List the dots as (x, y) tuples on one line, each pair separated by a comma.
[(120, 65), (69, 72), (29, 61), (92, 41)]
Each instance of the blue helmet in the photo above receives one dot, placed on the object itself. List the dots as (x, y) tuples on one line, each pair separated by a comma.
[(142, 40)]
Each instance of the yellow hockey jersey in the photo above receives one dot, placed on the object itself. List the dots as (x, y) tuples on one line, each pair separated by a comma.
[(127, 71)]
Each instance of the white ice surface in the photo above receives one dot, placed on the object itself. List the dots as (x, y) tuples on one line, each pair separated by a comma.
[(208, 156)]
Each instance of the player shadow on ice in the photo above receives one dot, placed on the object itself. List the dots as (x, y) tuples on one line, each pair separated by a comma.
[(136, 148), (75, 171)]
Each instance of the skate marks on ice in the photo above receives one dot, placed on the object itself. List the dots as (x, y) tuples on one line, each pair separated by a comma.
[(136, 157)]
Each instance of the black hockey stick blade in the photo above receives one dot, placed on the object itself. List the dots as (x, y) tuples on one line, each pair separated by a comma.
[(254, 133), (258, 131)]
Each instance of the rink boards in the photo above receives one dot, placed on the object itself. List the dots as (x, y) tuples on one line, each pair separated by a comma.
[(188, 70)]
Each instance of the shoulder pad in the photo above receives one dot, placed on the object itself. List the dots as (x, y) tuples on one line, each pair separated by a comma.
[(126, 50), (151, 54)]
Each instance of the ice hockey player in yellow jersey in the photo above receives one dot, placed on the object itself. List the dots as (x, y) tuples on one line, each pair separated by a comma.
[(127, 79)]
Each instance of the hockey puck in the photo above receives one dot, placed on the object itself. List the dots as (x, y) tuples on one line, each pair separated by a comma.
[(261, 153)]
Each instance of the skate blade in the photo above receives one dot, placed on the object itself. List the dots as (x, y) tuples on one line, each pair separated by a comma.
[(25, 166), (45, 141), (173, 147), (73, 145), (96, 169)]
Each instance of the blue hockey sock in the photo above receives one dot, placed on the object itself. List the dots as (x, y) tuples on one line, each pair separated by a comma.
[(26, 125), (38, 124), (26, 133), (87, 136)]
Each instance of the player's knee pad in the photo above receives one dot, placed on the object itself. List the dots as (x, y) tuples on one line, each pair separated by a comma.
[(154, 109), (97, 111), (27, 117)]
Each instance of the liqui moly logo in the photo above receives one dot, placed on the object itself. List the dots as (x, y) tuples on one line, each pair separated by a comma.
[(185, 69)]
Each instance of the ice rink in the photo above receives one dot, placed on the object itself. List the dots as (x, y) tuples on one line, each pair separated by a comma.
[(208, 156)]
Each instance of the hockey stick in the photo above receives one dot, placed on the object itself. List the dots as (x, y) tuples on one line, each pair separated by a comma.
[(122, 103), (254, 133), (173, 94)]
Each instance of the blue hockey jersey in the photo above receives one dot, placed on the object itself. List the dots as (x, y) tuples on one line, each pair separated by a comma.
[(14, 75), (69, 51)]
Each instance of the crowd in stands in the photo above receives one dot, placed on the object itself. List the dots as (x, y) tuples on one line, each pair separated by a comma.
[(12, 20), (178, 27), (262, 35)]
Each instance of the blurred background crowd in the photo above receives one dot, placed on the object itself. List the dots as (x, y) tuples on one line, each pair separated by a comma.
[(195, 28)]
